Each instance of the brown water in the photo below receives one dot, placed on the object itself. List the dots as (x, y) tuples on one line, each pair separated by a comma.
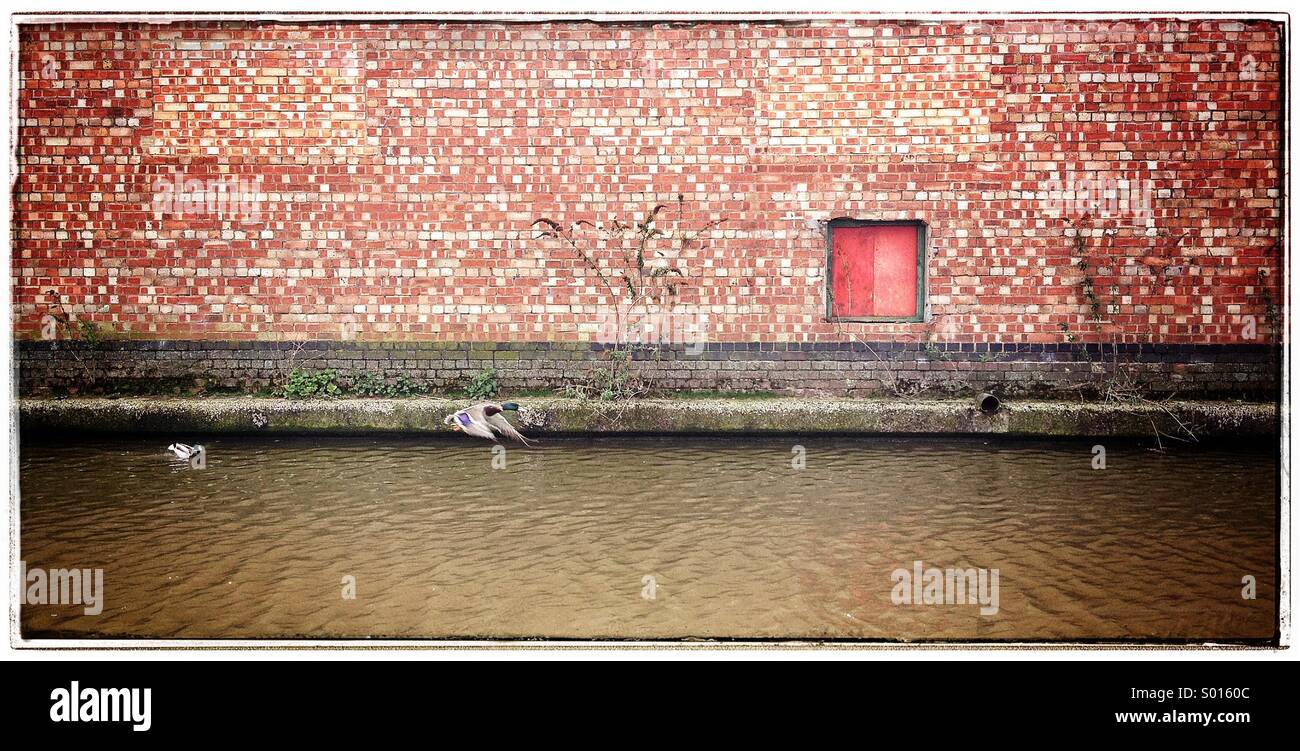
[(739, 543)]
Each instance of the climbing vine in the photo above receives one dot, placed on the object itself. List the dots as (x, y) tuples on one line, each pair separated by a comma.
[(642, 267), (1087, 280)]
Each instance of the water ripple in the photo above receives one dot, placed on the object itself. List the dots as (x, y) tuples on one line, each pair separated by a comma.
[(739, 543)]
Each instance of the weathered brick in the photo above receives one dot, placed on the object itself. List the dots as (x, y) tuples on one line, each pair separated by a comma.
[(341, 182)]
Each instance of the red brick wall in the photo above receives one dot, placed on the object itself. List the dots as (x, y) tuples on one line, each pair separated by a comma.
[(397, 168)]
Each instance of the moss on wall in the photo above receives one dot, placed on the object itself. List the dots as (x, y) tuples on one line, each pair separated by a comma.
[(556, 415)]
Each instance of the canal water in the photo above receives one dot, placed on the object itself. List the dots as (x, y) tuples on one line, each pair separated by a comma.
[(752, 537)]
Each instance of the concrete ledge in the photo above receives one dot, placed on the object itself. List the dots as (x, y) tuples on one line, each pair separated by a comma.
[(553, 415)]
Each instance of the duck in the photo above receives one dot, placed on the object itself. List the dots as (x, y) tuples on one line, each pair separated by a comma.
[(185, 450), (485, 420)]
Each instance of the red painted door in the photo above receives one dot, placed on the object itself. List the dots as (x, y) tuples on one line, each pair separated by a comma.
[(873, 271)]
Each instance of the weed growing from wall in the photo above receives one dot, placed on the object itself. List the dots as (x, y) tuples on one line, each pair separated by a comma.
[(642, 268), (483, 384)]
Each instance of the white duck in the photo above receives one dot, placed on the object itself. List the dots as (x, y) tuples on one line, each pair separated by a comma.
[(486, 421), (185, 450)]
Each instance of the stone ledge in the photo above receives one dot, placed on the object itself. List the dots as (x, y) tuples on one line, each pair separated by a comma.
[(249, 415)]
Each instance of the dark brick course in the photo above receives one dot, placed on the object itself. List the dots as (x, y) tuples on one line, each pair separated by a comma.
[(837, 369)]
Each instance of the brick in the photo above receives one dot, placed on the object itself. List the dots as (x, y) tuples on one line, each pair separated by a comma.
[(339, 181)]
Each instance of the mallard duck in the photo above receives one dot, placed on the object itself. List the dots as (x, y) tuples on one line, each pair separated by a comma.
[(486, 421), (184, 450)]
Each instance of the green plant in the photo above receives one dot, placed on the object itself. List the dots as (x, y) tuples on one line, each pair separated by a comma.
[(303, 384), (372, 384), (638, 257), (1086, 284), (483, 384), (611, 381), (404, 386), (1272, 312), (933, 352), (91, 332), (643, 268)]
